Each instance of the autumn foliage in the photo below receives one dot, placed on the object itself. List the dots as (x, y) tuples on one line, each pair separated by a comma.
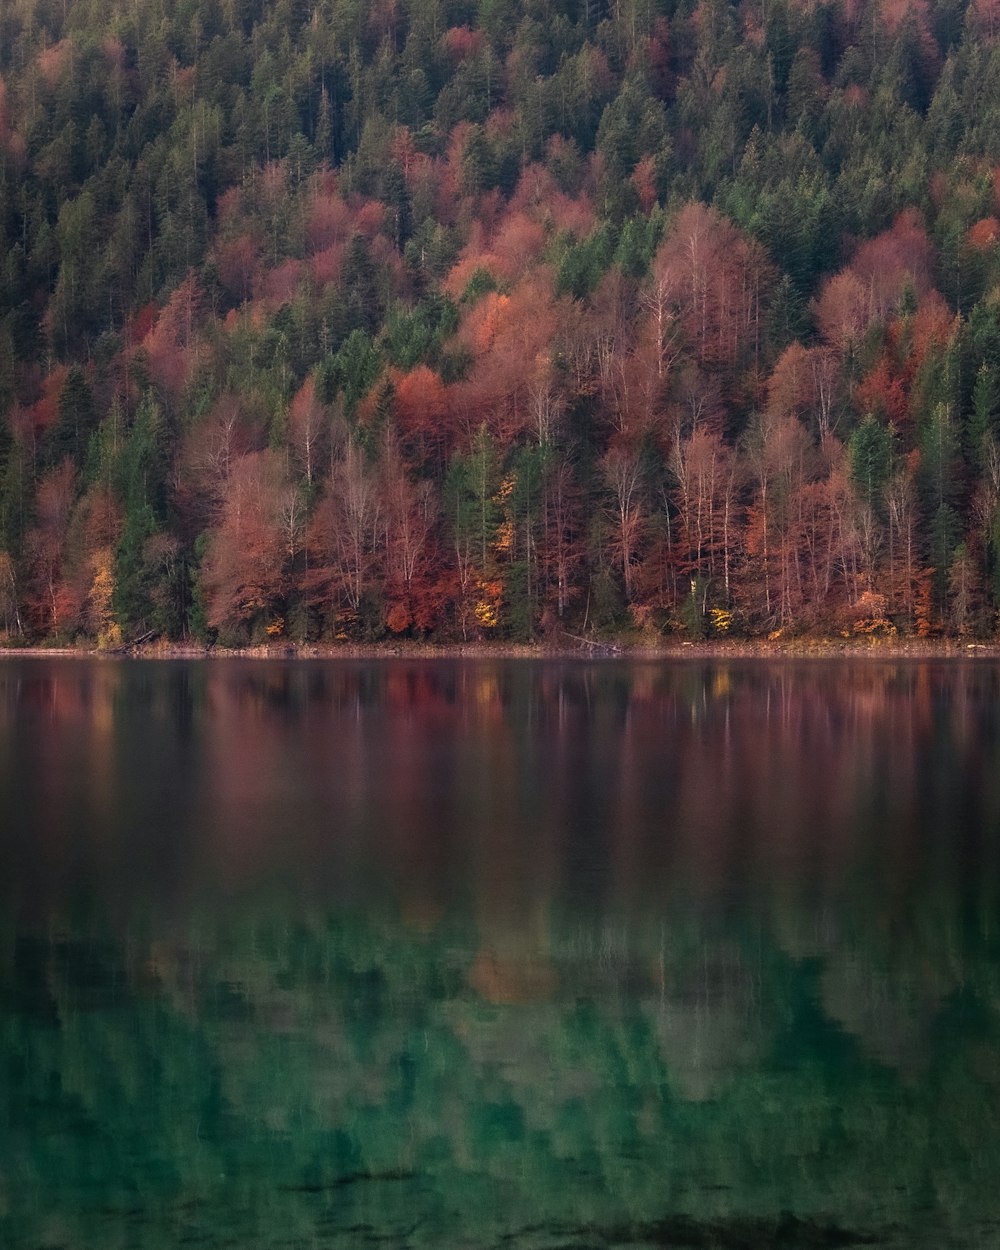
[(386, 322)]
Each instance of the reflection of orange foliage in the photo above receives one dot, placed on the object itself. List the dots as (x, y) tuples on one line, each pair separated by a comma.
[(511, 980), (422, 914)]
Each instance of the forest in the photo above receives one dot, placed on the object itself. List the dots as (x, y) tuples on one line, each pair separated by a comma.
[(473, 319)]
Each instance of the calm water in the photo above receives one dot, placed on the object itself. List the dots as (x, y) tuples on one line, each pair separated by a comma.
[(542, 955)]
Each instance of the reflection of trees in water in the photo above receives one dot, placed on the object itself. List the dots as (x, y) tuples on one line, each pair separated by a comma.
[(624, 783), (299, 1065), (638, 940)]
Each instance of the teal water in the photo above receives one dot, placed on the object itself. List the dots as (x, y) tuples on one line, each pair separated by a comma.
[(470, 954)]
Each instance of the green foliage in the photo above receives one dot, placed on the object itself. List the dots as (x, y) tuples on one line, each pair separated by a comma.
[(481, 283), (470, 500), (637, 244), (352, 371), (141, 465), (941, 488), (984, 419), (633, 126), (360, 282), (782, 196), (939, 460), (944, 532), (582, 264), (871, 460), (76, 418), (416, 336)]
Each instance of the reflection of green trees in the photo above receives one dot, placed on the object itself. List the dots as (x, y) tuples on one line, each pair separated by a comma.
[(290, 1078), (780, 991)]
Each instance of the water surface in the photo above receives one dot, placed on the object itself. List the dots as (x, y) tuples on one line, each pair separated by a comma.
[(513, 954)]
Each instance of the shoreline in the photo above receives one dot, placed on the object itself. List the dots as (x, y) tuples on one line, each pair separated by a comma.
[(717, 649)]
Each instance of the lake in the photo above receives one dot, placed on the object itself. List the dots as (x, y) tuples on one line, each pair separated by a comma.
[(513, 954)]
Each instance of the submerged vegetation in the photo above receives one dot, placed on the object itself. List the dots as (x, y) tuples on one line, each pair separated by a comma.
[(425, 318)]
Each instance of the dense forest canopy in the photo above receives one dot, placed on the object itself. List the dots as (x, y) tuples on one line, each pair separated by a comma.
[(432, 318)]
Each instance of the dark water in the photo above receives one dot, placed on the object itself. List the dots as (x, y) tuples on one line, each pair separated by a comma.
[(499, 955)]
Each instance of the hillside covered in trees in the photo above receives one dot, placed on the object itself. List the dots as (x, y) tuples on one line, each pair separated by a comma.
[(410, 318)]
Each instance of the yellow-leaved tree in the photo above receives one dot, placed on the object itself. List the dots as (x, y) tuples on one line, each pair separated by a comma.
[(102, 589)]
